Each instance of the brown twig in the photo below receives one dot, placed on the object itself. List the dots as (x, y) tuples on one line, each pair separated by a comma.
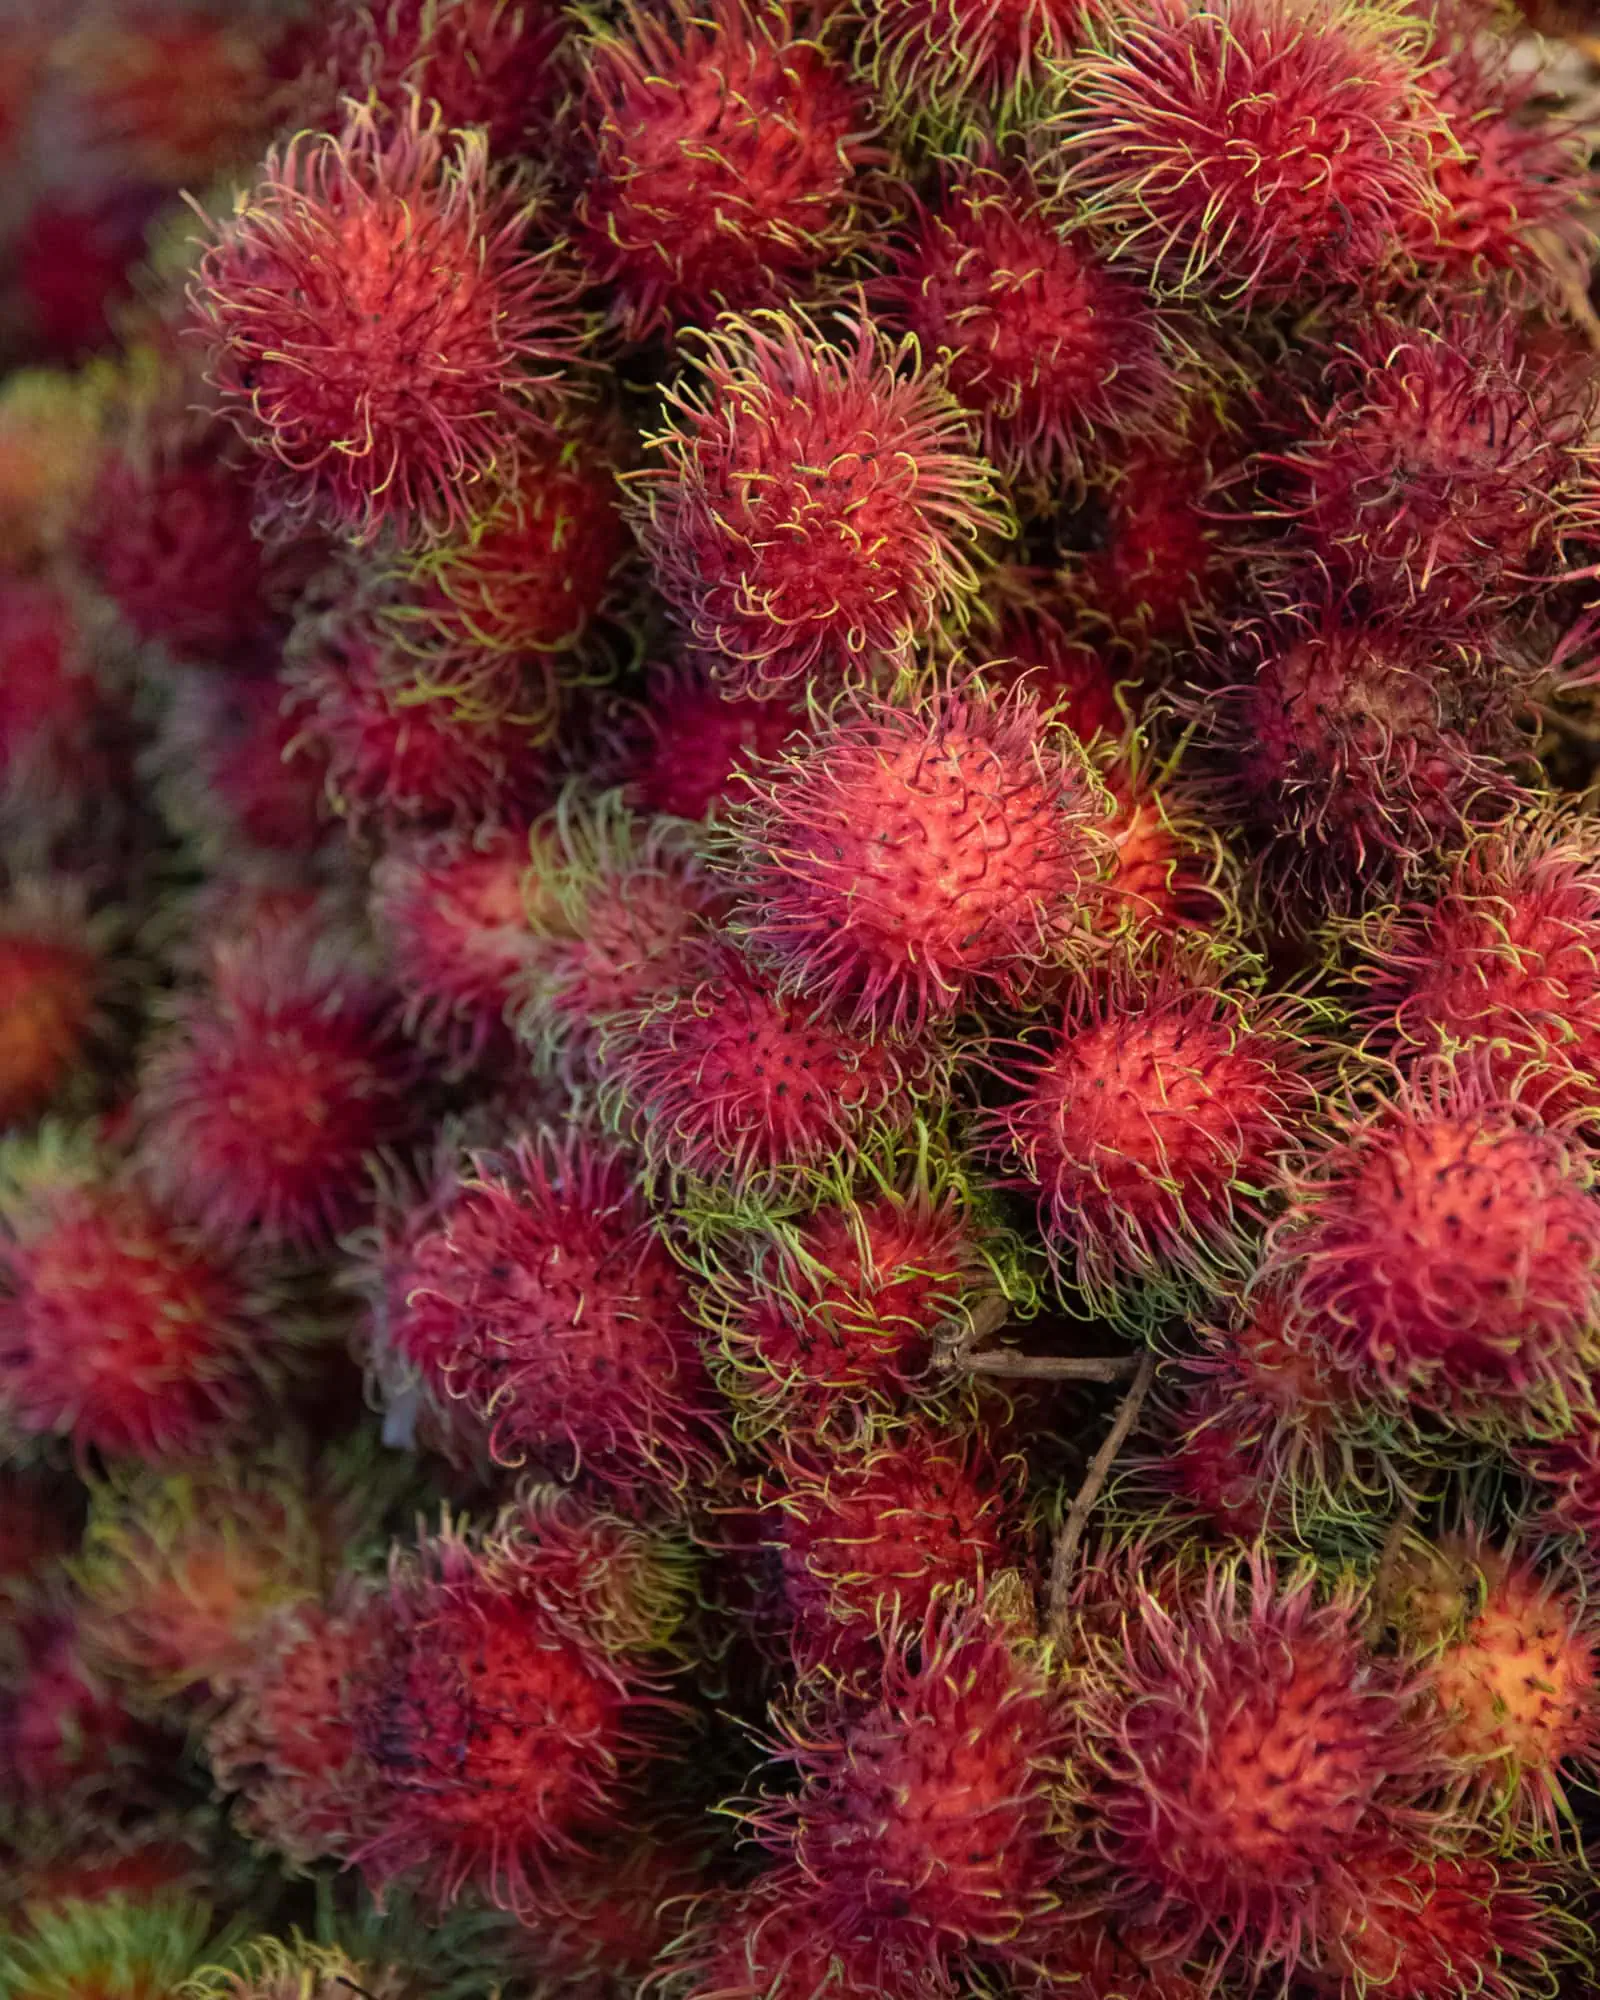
[(1047, 1367), (1089, 1492)]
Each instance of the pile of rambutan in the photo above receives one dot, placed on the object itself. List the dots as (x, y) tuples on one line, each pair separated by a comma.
[(799, 1000)]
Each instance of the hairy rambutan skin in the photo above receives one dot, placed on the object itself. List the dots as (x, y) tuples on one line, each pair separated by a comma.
[(1441, 468), (544, 1297), (496, 1734), (264, 1099), (931, 1820), (728, 156), (939, 66), (53, 979), (697, 746), (1030, 647), (1046, 345), (869, 1537), (730, 1081), (815, 504), (65, 1736), (1445, 1248), (1249, 154), (225, 775), (378, 333), (910, 857), (1153, 1125), (139, 1946), (268, 1968), (1565, 1475), (1241, 1745), (772, 1940)]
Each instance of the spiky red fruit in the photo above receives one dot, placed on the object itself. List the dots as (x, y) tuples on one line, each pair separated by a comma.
[(699, 744), (270, 1090), (1446, 1247), (1251, 152), (928, 1821), (909, 858), (378, 330), (728, 1080), (1168, 871), (1565, 1472), (1047, 346), (541, 1294), (1504, 958), (496, 1732), (64, 1735), (1160, 565), (620, 1914), (1441, 465), (1032, 649), (48, 695), (118, 1330), (775, 1941), (1244, 1747), (229, 775), (816, 505), (1434, 1925), (1152, 1126), (933, 61), (870, 1538), (51, 986), (726, 154)]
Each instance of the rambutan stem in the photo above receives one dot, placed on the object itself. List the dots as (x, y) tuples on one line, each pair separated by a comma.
[(1094, 1479)]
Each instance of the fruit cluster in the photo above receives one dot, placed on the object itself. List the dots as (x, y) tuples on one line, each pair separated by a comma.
[(799, 1000)]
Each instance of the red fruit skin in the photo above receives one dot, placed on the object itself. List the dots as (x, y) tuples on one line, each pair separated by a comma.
[(1254, 153), (1242, 1747), (813, 505), (542, 1297), (377, 390), (1565, 1474), (621, 1912), (728, 1081), (261, 1105), (118, 1331), (1169, 874), (74, 260), (231, 779), (1161, 569), (50, 991), (1212, 1469), (1445, 1249), (928, 1820), (727, 151), (1048, 347), (699, 746), (1152, 1126), (64, 1735), (778, 1940), (52, 712), (907, 860), (869, 1539), (933, 62), (1059, 671)]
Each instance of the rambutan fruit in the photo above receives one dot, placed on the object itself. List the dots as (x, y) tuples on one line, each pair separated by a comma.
[(495, 1734), (1047, 346), (543, 1296), (620, 1911), (37, 1529), (399, 753), (74, 259), (268, 1092), (54, 981), (939, 65), (775, 1941), (1153, 1124), (1169, 873), (269, 1968), (49, 700), (698, 745), (65, 1737), (1241, 1746), (1440, 468), (1209, 1468), (1564, 1475), (869, 1537), (1352, 748), (1251, 153), (815, 504), (225, 774), (117, 1329), (930, 1821), (1093, 1959), (730, 1081), (1434, 1924), (285, 1740), (727, 154), (118, 1948), (1445, 1249), (379, 334), (1502, 957), (1031, 648), (909, 858)]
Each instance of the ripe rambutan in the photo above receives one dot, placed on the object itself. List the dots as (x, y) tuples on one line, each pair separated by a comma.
[(37, 1528), (1031, 648), (541, 1294), (1169, 871), (727, 150), (49, 699), (1440, 467), (379, 335), (619, 1912), (225, 773), (909, 858), (728, 1080), (869, 1538), (495, 1734), (54, 980), (1445, 1250), (1250, 153), (263, 1101), (74, 259), (1242, 1746), (698, 745), (774, 1940), (1093, 1959), (1043, 343), (64, 1735), (929, 1821), (936, 63), (1153, 1125), (1209, 1467), (1564, 1475), (118, 1330), (815, 506)]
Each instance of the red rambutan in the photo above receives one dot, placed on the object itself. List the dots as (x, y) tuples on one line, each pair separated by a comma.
[(908, 858), (226, 773), (620, 1911), (1030, 648), (48, 694), (726, 158), (1564, 1473), (699, 745), (53, 982), (377, 330), (815, 505), (934, 63), (1250, 152), (776, 1941), (64, 1734)]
